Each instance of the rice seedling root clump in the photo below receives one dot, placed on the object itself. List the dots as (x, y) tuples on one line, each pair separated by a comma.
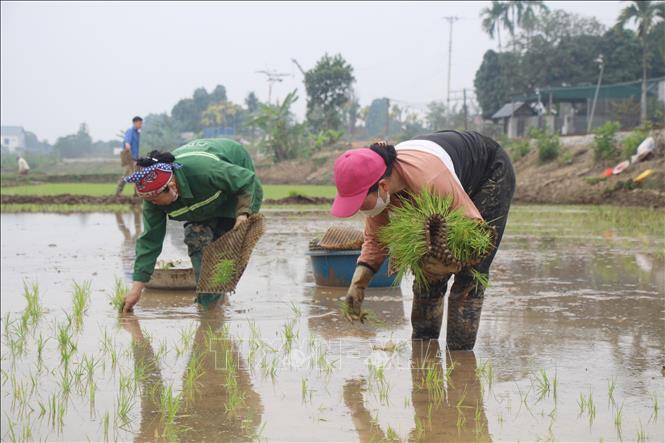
[(426, 225)]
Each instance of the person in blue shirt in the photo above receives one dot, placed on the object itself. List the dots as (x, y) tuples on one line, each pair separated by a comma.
[(130, 151)]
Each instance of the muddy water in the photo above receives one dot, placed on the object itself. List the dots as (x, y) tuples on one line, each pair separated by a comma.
[(572, 296)]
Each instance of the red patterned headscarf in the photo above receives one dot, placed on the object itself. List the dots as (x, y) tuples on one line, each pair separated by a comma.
[(153, 179)]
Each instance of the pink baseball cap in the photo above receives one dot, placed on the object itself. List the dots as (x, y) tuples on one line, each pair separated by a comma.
[(356, 171)]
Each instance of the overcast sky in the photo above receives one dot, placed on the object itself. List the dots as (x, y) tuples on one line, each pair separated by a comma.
[(102, 63)]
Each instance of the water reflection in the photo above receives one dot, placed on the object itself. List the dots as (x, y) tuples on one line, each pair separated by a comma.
[(207, 412), (128, 239), (446, 397)]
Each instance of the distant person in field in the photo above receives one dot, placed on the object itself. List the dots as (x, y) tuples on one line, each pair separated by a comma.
[(130, 151), (23, 167)]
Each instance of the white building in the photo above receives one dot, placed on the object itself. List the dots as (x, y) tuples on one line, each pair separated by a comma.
[(12, 138)]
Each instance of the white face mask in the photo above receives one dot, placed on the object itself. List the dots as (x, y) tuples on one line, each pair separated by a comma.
[(379, 206)]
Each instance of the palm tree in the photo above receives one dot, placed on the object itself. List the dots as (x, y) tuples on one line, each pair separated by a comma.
[(645, 14), (494, 18), (528, 18), (513, 14)]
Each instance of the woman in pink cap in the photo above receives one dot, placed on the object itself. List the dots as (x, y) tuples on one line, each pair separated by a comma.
[(468, 167)]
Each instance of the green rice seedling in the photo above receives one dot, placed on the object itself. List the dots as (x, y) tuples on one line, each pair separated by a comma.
[(617, 418), (391, 434), (460, 404), (124, 405), (234, 398), (193, 372), (92, 390), (591, 408), (461, 420), (406, 236), (641, 434), (305, 392), (40, 350), (224, 272), (611, 386), (105, 424), (384, 393), (542, 385), (581, 402), (66, 343), (555, 386), (296, 310), (114, 358), (289, 334), (162, 350), (33, 310), (654, 408), (433, 381), (66, 383), (326, 366), (477, 419), (89, 364), (117, 298), (187, 336), (42, 409), (420, 430), (81, 299)]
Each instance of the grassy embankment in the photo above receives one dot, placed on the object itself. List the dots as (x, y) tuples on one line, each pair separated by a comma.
[(274, 192)]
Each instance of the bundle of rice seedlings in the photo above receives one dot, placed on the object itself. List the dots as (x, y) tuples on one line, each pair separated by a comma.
[(426, 225), (224, 272)]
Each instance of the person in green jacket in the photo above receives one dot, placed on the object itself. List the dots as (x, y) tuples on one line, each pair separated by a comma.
[(210, 184)]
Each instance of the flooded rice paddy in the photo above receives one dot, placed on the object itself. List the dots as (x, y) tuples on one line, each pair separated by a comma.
[(570, 346)]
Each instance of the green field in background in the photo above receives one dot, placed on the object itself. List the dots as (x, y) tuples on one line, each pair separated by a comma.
[(102, 189)]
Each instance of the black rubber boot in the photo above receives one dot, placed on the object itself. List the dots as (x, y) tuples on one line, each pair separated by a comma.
[(427, 310), (465, 303)]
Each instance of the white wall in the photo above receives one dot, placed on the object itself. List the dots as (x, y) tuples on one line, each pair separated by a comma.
[(13, 142)]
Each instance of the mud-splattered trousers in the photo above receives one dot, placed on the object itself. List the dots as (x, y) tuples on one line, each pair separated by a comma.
[(492, 198)]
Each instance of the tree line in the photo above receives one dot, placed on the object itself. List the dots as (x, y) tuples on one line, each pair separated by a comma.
[(550, 48)]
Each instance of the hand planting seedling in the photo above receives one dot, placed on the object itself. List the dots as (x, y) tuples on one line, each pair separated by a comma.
[(350, 315), (224, 272), (426, 227), (365, 315)]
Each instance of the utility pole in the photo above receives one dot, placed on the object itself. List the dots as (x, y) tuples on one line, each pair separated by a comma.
[(450, 20), (272, 77), (601, 63), (387, 128), (466, 113)]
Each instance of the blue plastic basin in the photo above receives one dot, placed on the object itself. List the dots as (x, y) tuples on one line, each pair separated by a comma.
[(335, 268)]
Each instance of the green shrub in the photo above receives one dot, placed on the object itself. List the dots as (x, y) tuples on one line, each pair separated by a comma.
[(327, 137), (517, 148), (548, 144), (604, 141), (633, 140), (566, 157)]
